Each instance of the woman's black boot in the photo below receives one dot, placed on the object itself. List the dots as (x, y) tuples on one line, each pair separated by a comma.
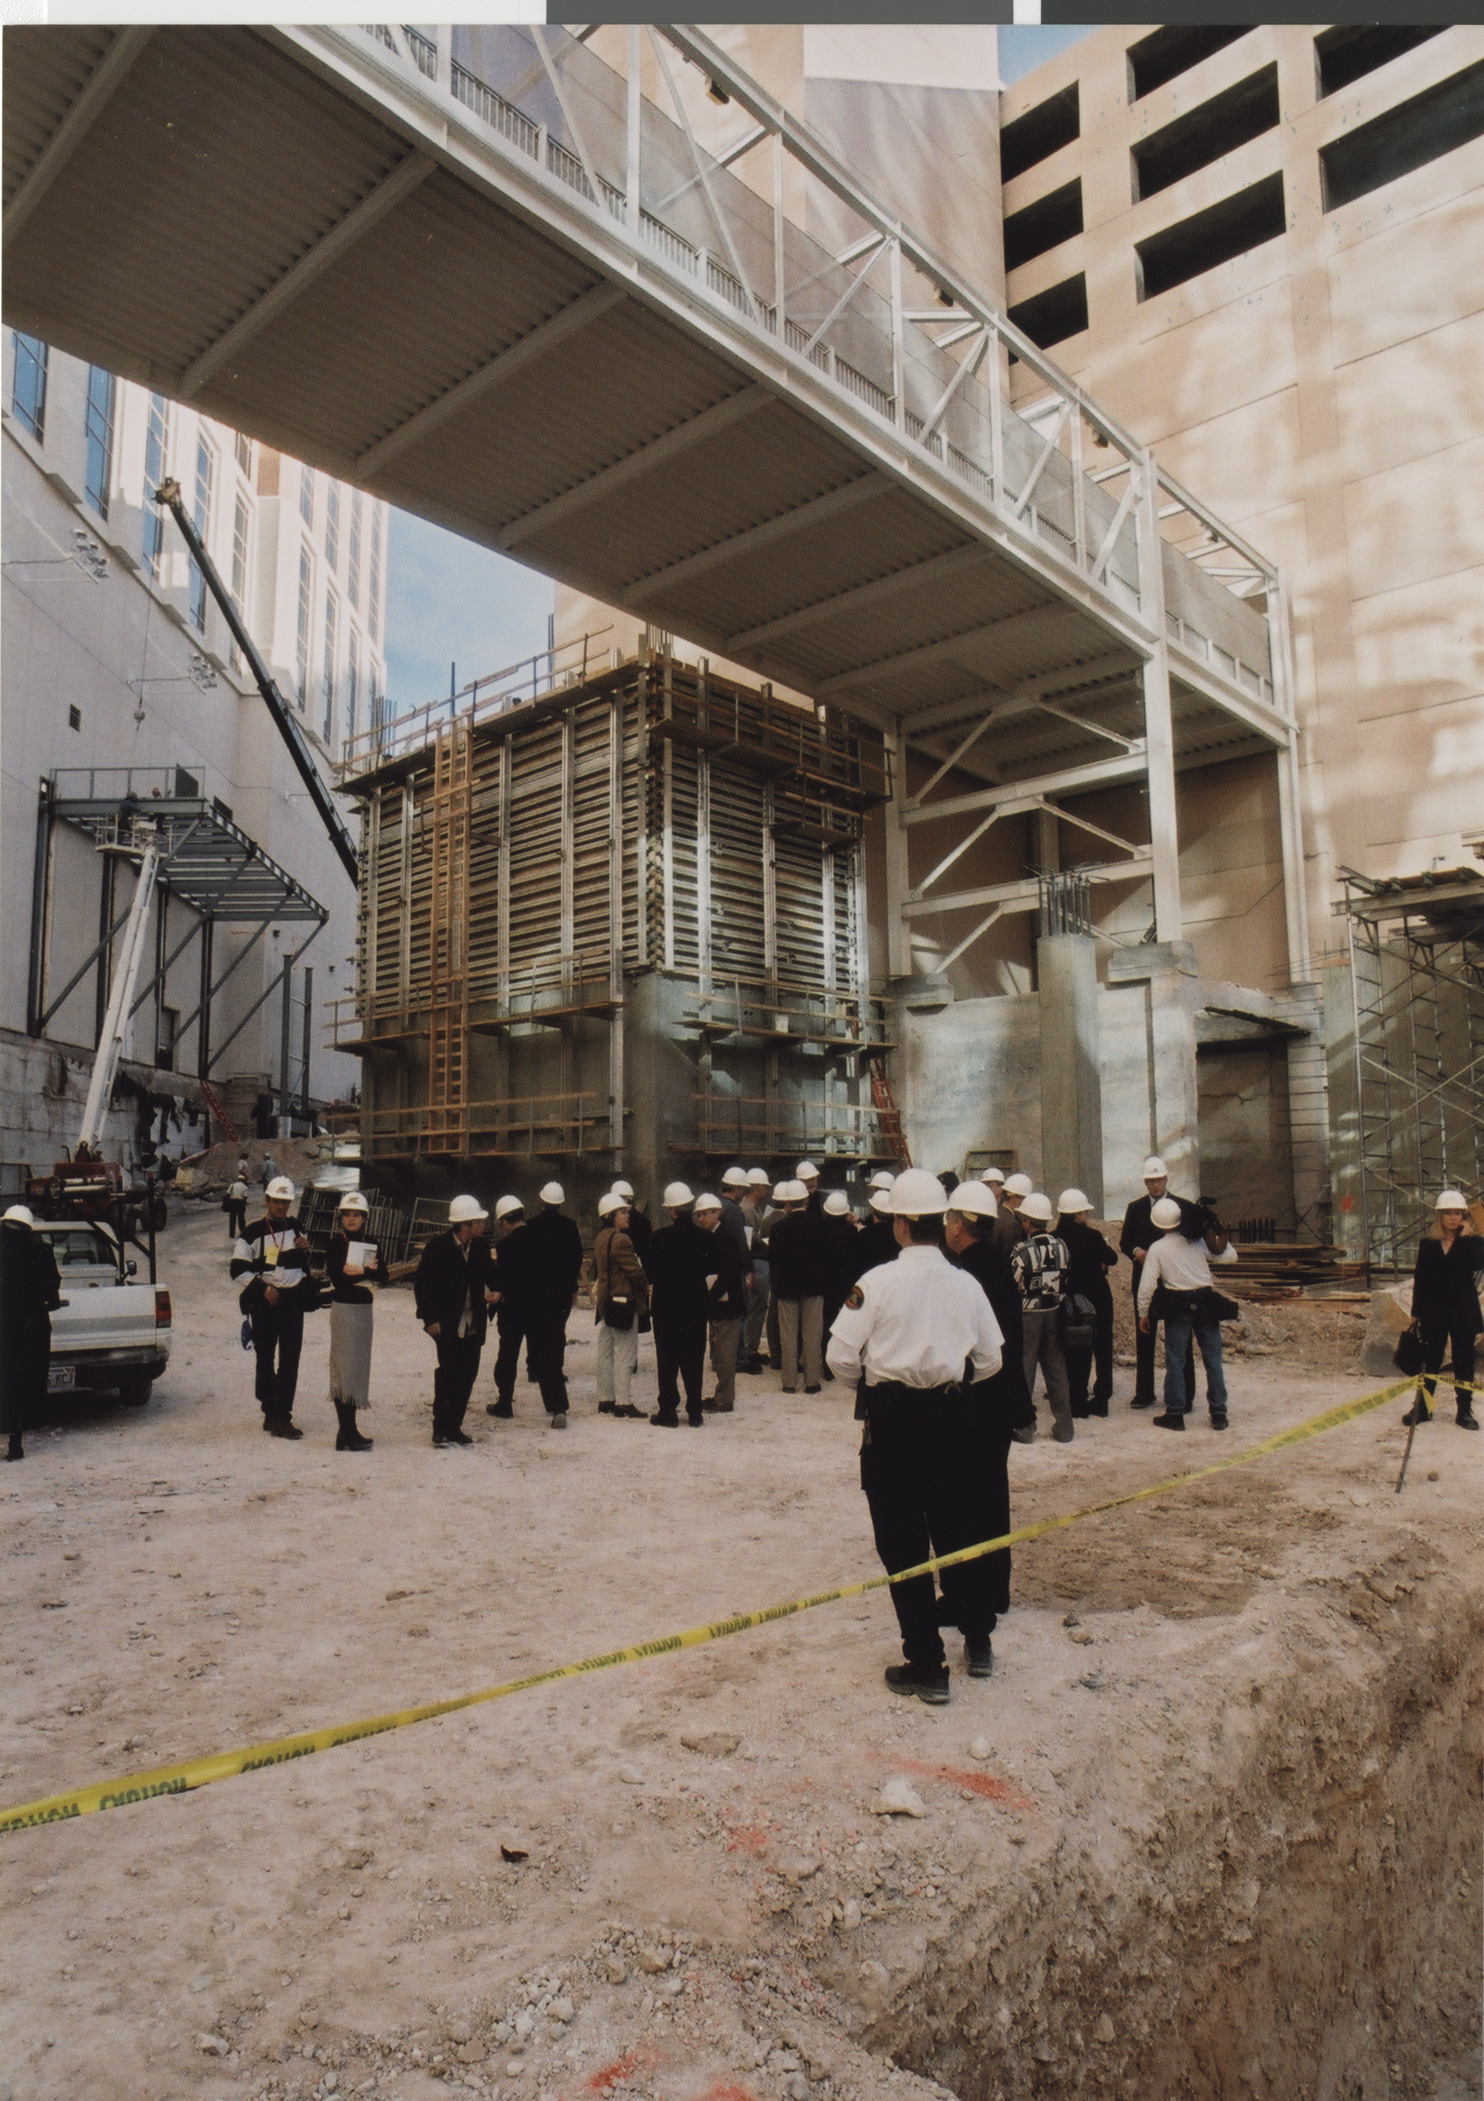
[(350, 1438)]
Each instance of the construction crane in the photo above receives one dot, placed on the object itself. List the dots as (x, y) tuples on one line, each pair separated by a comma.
[(168, 494)]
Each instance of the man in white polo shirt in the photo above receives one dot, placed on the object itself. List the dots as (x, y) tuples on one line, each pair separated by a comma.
[(1181, 1267)]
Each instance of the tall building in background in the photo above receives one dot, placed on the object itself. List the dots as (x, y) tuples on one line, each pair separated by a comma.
[(121, 677)]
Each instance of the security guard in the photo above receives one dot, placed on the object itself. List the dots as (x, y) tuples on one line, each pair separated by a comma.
[(509, 1258), (915, 1337), (273, 1255), (877, 1242), (553, 1246), (451, 1292)]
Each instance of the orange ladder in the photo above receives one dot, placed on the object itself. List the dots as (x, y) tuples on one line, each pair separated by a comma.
[(884, 1102)]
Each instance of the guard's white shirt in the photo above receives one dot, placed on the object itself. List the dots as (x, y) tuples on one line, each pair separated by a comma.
[(1178, 1263), (919, 1322)]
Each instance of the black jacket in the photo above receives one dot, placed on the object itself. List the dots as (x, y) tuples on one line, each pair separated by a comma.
[(30, 1290), (1007, 1232), (641, 1232), (724, 1261), (1140, 1231), (1006, 1393), (875, 1243), (350, 1291), (1091, 1255), (449, 1277), (251, 1266), (1445, 1287), (841, 1244), (796, 1252), (679, 1261), (551, 1248)]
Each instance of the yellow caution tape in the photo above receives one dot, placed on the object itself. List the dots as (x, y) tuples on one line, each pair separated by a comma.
[(200, 1772)]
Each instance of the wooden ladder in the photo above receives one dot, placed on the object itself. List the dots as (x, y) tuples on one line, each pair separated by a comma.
[(884, 1102), (448, 934)]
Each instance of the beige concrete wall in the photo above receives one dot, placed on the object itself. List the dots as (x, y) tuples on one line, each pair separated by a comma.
[(1324, 393)]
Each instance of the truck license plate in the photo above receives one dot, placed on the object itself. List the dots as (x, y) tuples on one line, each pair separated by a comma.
[(61, 1378)]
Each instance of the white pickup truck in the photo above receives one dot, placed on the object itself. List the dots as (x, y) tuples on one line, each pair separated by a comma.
[(112, 1333)]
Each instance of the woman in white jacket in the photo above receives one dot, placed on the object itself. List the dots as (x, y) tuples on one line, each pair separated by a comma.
[(1181, 1268)]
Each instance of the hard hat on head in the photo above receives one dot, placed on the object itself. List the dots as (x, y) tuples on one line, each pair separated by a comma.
[(880, 1202), (624, 1189), (1019, 1185), (464, 1210), (1452, 1200), (780, 1191), (280, 1187), (759, 1178), (883, 1178), (706, 1202), (972, 1200), (1165, 1214), (837, 1204), (1037, 1206), (18, 1215), (354, 1201), (734, 1178), (676, 1196), (610, 1203), (993, 1177), (508, 1206), (1154, 1169), (806, 1171), (797, 1193), (553, 1193), (917, 1194), (1071, 1201)]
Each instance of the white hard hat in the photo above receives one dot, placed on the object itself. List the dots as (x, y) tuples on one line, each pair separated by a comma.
[(973, 1200), (1073, 1200), (553, 1193), (805, 1169), (1019, 1185), (993, 1174), (780, 1192), (610, 1203), (837, 1204), (795, 1193), (706, 1202), (883, 1178), (1452, 1200), (1037, 1205), (734, 1178), (280, 1186), (758, 1178), (1154, 1169), (624, 1189), (880, 1202), (18, 1215), (354, 1201), (507, 1206), (1165, 1214), (917, 1194), (463, 1209), (676, 1196)]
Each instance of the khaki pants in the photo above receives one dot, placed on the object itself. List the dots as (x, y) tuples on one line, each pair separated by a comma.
[(801, 1332), (725, 1336)]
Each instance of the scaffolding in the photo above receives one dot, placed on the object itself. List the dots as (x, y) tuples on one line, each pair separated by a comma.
[(1416, 949)]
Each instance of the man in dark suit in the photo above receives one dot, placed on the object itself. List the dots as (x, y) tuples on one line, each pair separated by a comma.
[(680, 1260), (451, 1290), (1135, 1241), (30, 1292), (553, 1263)]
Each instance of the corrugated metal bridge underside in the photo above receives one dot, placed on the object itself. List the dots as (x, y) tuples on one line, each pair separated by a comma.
[(262, 223)]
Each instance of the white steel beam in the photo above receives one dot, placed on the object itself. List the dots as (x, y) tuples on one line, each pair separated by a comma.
[(1072, 780), (535, 343), (1019, 896), (1031, 622), (1159, 734), (107, 76), (803, 517), (355, 225), (721, 416), (936, 569), (1258, 715), (947, 962)]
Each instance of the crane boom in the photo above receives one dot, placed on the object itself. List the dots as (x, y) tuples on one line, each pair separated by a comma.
[(169, 495), (111, 1045)]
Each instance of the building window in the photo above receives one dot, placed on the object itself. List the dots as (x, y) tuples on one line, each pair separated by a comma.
[(353, 560), (74, 718), (156, 453), (1048, 222), (1415, 132), (332, 526), (1053, 315), (373, 595), (241, 535), (306, 496), (205, 482), (1223, 230), (98, 432), (244, 454), (352, 683), (1354, 49), (1171, 51), (306, 599), (166, 1037), (1204, 134), (1041, 132), (28, 386), (327, 673)]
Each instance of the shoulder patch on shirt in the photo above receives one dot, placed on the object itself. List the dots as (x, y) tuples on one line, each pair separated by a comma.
[(855, 1298)]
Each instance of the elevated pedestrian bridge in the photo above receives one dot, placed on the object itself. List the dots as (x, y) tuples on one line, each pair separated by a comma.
[(482, 273)]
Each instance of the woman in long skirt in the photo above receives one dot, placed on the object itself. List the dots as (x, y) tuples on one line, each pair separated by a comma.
[(354, 1263)]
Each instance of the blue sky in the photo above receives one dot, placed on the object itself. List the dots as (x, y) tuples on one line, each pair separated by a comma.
[(1024, 48), (449, 601)]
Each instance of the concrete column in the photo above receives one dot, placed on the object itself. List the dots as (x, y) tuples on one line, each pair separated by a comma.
[(1071, 1066), (1168, 970)]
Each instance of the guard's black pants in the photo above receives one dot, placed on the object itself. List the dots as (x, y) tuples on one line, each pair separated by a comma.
[(1080, 1362), (680, 1358), (236, 1220), (453, 1381), (277, 1338), (1144, 1386), (510, 1323), (925, 1493), (546, 1346), (1438, 1343)]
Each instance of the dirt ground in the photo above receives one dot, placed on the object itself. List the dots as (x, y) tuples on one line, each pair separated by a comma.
[(1211, 1829)]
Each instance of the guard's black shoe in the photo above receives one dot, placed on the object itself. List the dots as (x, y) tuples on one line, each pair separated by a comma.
[(1169, 1422), (1141, 1400), (458, 1437), (811, 1389), (1219, 1420), (1419, 1412), (1467, 1420), (917, 1682), (665, 1422), (503, 1409), (15, 1449), (604, 1408), (281, 1426), (634, 1415), (696, 1422), (979, 1657)]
